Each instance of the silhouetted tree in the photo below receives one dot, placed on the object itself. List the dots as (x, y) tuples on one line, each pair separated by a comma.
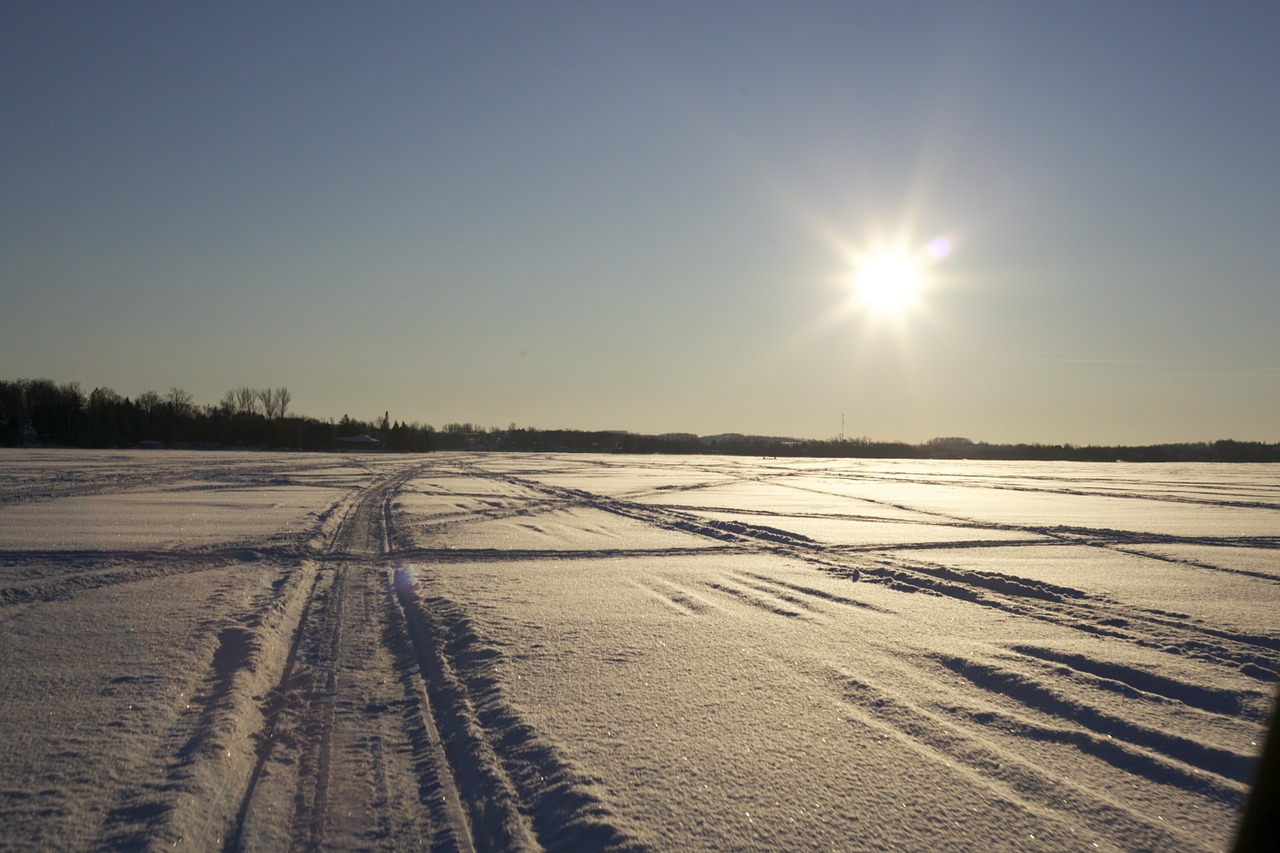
[(267, 397), (349, 427), (149, 401), (227, 405), (13, 413), (108, 419), (246, 400), (180, 402), (55, 412)]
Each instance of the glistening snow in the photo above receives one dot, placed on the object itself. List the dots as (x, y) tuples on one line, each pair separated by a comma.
[(455, 651)]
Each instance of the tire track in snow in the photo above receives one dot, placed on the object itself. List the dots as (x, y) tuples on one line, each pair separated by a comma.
[(208, 753), (151, 472), (1060, 803), (753, 596), (988, 483), (457, 737), (1157, 754), (52, 575), (264, 695), (1185, 766), (821, 595), (1125, 678), (1172, 633), (93, 483), (1252, 655), (1121, 541), (482, 780), (515, 555), (288, 700), (676, 596), (517, 790), (520, 793), (340, 715), (435, 774), (734, 535)]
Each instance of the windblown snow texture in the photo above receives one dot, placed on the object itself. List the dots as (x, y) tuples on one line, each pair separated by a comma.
[(574, 652)]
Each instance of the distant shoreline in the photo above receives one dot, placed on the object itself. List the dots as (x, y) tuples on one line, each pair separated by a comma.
[(42, 413), (1218, 452)]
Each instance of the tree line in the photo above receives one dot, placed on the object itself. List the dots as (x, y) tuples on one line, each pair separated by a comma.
[(43, 412), (468, 436), (40, 411), (1225, 450)]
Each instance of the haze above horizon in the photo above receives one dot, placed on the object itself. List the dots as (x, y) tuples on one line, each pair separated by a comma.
[(656, 217)]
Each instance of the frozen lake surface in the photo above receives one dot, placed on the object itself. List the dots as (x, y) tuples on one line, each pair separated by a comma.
[(468, 651)]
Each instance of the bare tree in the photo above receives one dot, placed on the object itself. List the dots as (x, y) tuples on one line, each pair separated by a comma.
[(149, 400), (267, 397), (100, 398), (283, 397), (180, 401), (246, 400)]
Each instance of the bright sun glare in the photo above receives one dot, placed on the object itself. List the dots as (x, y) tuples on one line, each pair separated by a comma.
[(888, 281)]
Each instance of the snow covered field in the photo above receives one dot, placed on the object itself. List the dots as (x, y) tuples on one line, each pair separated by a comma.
[(456, 651)]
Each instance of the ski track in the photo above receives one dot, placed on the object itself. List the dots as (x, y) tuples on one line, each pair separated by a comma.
[(355, 678)]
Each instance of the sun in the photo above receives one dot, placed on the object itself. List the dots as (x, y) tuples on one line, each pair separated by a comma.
[(888, 281)]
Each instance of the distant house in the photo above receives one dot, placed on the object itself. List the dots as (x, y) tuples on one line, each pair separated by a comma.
[(359, 442)]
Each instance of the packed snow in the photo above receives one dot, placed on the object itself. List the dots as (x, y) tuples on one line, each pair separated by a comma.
[(245, 651)]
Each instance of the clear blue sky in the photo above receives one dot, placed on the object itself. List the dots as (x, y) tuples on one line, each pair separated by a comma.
[(643, 216)]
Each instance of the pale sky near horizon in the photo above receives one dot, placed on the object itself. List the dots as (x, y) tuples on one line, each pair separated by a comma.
[(644, 216)]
